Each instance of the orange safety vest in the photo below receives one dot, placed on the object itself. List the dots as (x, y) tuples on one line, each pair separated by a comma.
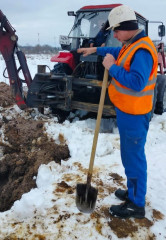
[(126, 99)]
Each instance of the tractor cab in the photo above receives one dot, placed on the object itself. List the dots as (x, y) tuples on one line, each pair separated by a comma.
[(90, 25), (89, 22)]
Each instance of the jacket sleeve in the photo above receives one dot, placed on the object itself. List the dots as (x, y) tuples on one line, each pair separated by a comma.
[(140, 69), (112, 50)]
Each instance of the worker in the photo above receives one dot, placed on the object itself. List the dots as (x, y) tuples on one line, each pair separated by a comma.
[(133, 68), (102, 33)]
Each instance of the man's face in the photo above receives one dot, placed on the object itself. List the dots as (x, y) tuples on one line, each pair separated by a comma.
[(122, 36)]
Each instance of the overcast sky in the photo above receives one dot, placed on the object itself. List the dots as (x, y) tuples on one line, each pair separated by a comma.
[(41, 21)]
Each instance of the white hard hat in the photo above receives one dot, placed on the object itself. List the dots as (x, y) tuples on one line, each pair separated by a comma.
[(120, 14)]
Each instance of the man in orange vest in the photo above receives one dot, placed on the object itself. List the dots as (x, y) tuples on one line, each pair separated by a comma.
[(134, 70)]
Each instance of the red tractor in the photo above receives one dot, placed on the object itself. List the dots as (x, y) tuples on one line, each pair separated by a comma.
[(75, 82)]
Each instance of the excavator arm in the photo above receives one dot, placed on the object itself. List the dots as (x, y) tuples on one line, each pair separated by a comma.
[(8, 49)]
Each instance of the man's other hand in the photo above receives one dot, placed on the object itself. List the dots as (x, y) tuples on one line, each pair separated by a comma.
[(87, 51), (108, 61)]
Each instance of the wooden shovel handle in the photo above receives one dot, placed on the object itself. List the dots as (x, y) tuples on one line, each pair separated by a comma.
[(99, 115)]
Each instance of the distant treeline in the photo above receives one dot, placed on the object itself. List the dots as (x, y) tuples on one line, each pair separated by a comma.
[(38, 49)]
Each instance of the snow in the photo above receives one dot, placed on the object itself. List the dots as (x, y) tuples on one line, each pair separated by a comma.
[(54, 215)]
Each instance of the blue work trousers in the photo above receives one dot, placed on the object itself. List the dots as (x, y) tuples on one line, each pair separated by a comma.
[(133, 132)]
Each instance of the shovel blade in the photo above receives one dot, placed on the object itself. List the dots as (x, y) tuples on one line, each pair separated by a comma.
[(86, 198)]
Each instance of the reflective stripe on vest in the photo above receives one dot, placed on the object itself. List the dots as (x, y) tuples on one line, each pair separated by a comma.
[(126, 99), (131, 92), (137, 44)]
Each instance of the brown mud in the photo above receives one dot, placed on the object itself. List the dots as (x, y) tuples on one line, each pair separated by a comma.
[(6, 99), (25, 147)]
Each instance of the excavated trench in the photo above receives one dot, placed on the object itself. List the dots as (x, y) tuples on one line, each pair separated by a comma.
[(24, 146)]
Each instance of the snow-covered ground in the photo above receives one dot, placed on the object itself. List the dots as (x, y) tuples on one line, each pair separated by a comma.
[(49, 212), (32, 60)]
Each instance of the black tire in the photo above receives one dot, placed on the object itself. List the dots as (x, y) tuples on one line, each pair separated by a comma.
[(161, 85), (61, 68)]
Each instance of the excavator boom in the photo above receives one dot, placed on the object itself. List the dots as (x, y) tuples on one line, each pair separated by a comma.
[(8, 48)]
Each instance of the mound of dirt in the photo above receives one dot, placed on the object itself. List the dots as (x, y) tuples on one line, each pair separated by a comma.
[(6, 99), (26, 149), (24, 146)]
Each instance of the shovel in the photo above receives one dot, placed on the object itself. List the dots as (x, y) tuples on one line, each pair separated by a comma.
[(86, 195)]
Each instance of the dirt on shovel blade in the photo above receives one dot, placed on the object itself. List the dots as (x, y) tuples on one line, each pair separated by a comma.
[(83, 203)]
